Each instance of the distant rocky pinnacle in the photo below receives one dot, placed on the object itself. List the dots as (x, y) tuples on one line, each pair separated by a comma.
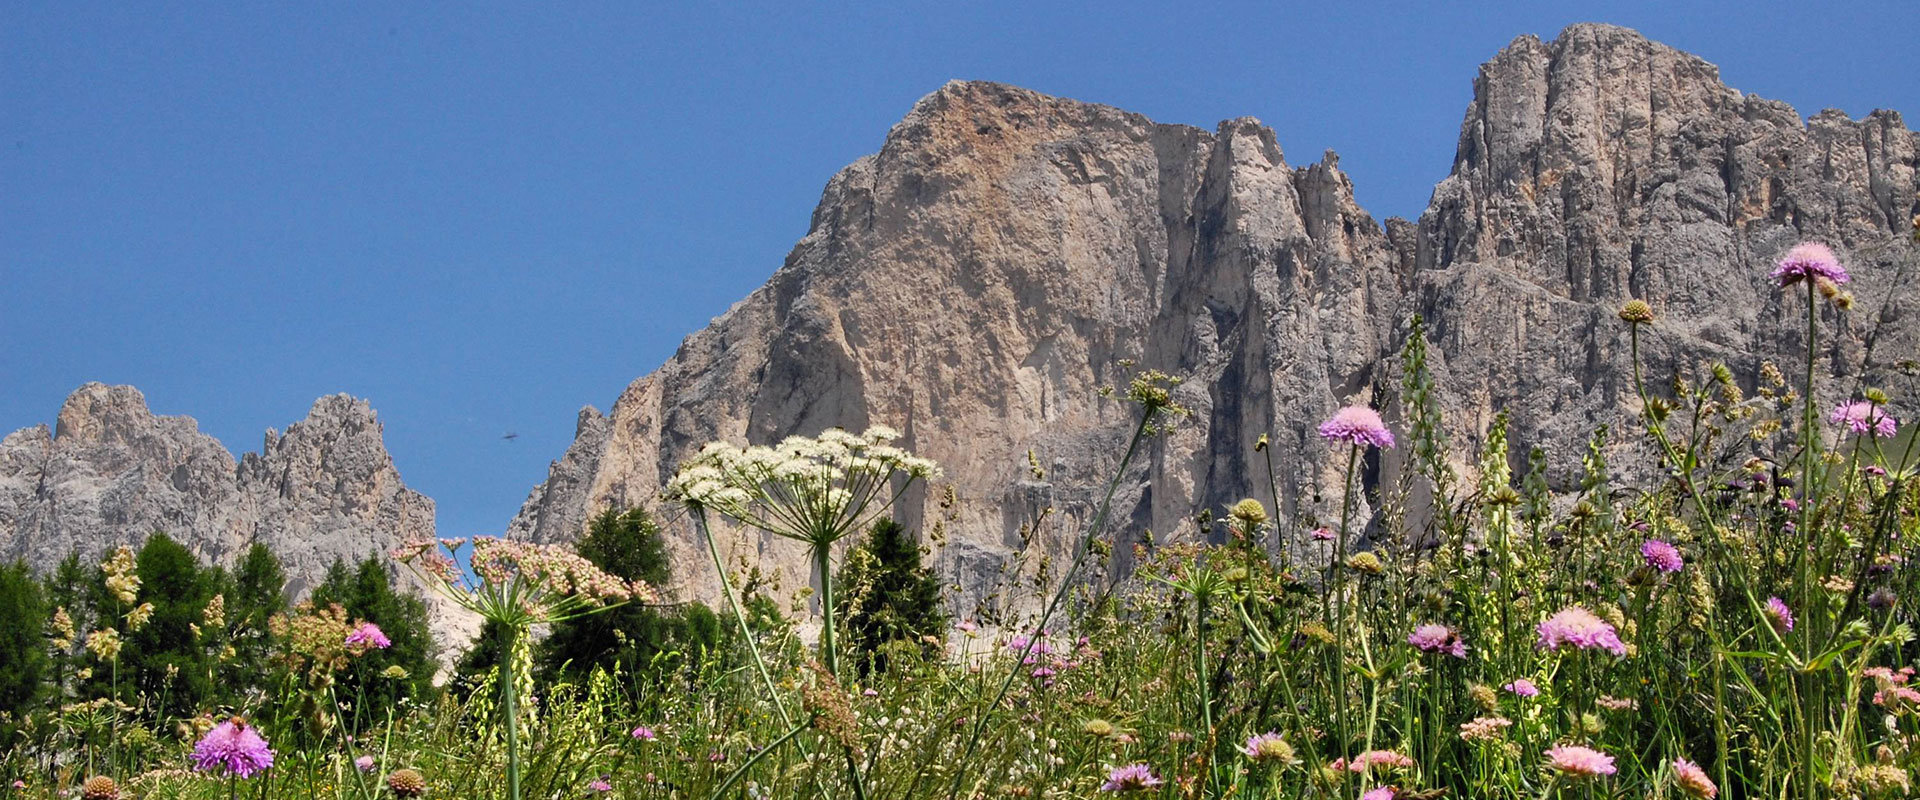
[(112, 473), (981, 278)]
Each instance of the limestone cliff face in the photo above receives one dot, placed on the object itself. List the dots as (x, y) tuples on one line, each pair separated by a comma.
[(982, 277), (111, 473)]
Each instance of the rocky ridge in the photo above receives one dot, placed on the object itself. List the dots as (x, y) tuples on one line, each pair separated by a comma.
[(111, 472), (977, 281)]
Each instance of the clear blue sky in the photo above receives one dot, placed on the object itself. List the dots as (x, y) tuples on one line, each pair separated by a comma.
[(482, 217)]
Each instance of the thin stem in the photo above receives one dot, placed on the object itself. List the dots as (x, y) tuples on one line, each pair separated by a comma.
[(1081, 550), (509, 715), (733, 605), (1338, 581)]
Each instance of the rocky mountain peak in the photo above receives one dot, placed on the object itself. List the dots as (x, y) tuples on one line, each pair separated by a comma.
[(978, 280)]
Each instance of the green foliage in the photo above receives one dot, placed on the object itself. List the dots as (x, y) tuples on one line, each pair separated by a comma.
[(378, 679), (890, 600), (163, 661), (22, 647), (644, 639)]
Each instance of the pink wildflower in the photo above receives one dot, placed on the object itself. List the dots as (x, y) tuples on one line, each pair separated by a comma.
[(1436, 638), (1779, 615), (1809, 261), (1865, 419), (1579, 628), (1131, 778), (368, 636), (233, 747), (363, 763), (1575, 761), (1358, 425), (1661, 555), (1322, 535), (1693, 780), (1381, 793), (1523, 688), (644, 733)]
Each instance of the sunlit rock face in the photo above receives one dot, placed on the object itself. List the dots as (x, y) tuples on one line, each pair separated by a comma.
[(983, 277)]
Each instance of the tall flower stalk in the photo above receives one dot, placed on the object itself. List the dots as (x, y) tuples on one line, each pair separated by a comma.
[(816, 491), (1358, 427), (519, 585)]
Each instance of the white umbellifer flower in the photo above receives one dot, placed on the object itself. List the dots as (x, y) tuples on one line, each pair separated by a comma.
[(815, 490)]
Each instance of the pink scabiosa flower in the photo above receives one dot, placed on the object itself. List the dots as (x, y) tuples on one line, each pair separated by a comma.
[(1661, 555), (364, 763), (1436, 638), (644, 733), (1779, 615), (1864, 418), (368, 636), (1131, 778), (1322, 535), (1381, 793), (1357, 425), (1523, 688), (1693, 780), (233, 747), (1268, 748), (1809, 261), (1375, 759), (600, 785), (1577, 627), (1575, 761)]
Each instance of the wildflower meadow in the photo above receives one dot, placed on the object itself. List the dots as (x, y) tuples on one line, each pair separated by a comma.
[(1731, 616)]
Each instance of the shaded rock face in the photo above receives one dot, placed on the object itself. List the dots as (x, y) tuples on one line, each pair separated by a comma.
[(111, 473), (978, 281)]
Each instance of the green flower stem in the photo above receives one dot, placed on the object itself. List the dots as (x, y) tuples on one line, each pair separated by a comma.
[(733, 778), (733, 605), (1337, 579), (1081, 550), (509, 714)]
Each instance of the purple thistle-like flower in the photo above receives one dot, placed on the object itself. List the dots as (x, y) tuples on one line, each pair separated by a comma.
[(233, 747), (1436, 638), (1131, 778), (1577, 627), (368, 635), (1523, 688), (1662, 555), (1865, 419), (600, 784), (1358, 425), (644, 733), (1779, 615), (363, 763), (1809, 261)]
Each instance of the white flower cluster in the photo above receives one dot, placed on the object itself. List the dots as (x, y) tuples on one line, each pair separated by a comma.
[(812, 489)]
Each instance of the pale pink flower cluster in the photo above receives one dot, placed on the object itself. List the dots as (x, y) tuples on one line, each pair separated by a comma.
[(1484, 729), (1374, 759), (1892, 690), (1575, 761), (1523, 688), (424, 556), (557, 569), (1577, 627)]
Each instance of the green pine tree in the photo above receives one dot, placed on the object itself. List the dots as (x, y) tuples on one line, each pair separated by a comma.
[(23, 643), (163, 660), (377, 680), (641, 639), (891, 601)]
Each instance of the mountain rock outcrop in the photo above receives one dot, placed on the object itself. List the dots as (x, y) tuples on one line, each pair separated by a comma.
[(111, 473), (981, 278)]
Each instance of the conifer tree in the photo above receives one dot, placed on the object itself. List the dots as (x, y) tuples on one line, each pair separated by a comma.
[(891, 599), (379, 678), (628, 544), (23, 643)]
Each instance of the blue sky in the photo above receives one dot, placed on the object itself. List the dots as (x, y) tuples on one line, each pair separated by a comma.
[(482, 217)]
